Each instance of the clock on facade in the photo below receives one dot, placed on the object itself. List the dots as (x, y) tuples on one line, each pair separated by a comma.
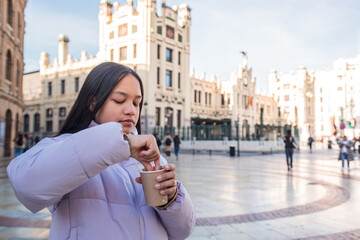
[(245, 81)]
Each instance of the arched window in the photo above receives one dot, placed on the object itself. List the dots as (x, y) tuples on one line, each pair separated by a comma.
[(17, 74), (10, 12), (8, 65), (26, 123)]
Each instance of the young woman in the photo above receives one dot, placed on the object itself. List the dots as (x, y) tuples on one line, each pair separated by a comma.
[(86, 176)]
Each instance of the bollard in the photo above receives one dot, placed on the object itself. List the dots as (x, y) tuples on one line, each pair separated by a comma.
[(270, 151), (193, 151), (210, 152)]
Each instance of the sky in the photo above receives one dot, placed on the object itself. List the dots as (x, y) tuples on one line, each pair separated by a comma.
[(276, 34)]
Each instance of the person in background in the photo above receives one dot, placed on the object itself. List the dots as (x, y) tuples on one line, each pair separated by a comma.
[(158, 141), (345, 152), (167, 144), (177, 146), (290, 145), (310, 142), (19, 144), (87, 175), (27, 142)]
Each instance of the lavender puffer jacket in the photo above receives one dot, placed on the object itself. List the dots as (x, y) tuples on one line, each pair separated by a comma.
[(87, 181)]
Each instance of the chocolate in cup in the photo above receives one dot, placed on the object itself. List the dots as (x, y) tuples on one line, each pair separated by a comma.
[(152, 195)]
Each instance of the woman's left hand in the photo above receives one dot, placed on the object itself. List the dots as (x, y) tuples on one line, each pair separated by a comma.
[(166, 181)]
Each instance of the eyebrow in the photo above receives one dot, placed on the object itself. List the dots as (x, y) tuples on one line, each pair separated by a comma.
[(125, 94)]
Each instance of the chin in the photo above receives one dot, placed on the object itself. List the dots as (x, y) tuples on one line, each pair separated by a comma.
[(127, 129)]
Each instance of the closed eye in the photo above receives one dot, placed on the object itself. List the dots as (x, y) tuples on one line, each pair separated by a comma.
[(118, 102)]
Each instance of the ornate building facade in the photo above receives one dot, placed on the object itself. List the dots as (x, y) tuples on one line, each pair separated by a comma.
[(12, 25), (158, 49)]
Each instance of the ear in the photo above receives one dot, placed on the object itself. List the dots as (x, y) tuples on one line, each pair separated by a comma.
[(92, 104)]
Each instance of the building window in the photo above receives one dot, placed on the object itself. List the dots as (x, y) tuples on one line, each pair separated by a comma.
[(19, 25), (180, 38), (134, 28), (286, 98), (195, 95), (209, 98), (320, 90), (111, 35), (199, 96), (10, 13), (49, 88), (62, 86), (8, 65), (179, 118), (49, 113), (123, 53), (76, 84), (61, 123), (228, 99), (179, 58), (36, 122), (179, 81), (168, 55), (286, 86), (17, 74), (168, 78), (62, 112), (206, 96), (123, 30), (158, 76), (321, 99), (157, 116), (111, 54), (169, 117), (26, 122), (222, 99), (159, 30), (134, 51), (49, 126), (170, 32), (339, 89), (158, 51)]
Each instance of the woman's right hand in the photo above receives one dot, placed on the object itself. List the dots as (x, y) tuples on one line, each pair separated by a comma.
[(144, 149)]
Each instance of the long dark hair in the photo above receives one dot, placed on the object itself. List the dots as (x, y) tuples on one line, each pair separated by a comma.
[(96, 89)]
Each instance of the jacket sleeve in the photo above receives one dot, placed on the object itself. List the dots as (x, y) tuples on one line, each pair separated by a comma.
[(179, 217), (55, 166)]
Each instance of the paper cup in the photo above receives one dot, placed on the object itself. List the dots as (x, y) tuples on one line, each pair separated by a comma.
[(152, 195)]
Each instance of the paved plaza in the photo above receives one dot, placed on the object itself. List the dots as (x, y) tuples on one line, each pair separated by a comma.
[(246, 197)]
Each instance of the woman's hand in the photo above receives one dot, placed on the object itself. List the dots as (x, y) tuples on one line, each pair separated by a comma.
[(144, 149), (166, 181)]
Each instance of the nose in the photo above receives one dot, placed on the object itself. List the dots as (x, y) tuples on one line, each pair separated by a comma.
[(129, 108)]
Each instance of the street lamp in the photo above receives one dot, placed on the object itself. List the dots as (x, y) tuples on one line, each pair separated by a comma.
[(146, 117), (237, 137)]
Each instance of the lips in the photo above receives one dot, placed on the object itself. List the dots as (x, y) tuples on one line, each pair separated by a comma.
[(127, 122)]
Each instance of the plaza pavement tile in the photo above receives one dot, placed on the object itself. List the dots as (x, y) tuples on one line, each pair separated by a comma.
[(246, 197)]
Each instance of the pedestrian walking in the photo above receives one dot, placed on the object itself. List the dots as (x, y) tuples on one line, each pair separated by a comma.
[(290, 145), (158, 141), (167, 144), (345, 152), (310, 142), (27, 142), (19, 144), (177, 146), (87, 175)]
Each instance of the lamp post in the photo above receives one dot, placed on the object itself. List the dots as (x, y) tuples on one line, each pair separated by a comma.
[(146, 117), (237, 137)]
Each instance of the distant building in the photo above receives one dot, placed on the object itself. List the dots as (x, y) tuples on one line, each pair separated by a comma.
[(12, 26), (294, 93)]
